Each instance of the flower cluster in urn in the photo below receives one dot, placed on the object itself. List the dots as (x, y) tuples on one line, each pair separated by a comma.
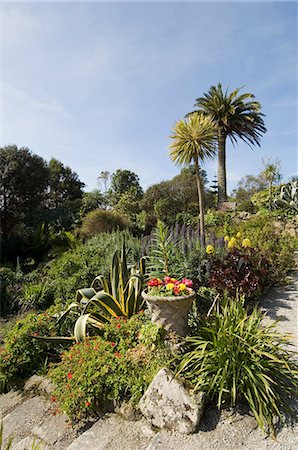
[(169, 287)]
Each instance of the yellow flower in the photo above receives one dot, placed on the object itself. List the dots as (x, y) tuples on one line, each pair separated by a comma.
[(232, 242), (246, 243), (210, 249), (238, 235), (170, 286), (173, 280), (181, 287), (226, 238)]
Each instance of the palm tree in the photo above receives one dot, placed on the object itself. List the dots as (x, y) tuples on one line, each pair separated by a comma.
[(193, 141), (235, 116), (272, 174)]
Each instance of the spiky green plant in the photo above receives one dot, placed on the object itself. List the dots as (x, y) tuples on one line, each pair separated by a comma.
[(235, 355), (287, 197), (118, 296)]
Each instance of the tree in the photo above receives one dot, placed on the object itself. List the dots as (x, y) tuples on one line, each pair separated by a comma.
[(23, 182), (272, 174), (246, 188), (193, 141), (121, 182), (92, 200), (235, 116), (64, 184)]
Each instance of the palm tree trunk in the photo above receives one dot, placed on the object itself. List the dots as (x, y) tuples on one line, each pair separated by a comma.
[(221, 171), (201, 201)]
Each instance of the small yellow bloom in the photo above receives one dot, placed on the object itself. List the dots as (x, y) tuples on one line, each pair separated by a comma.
[(210, 249), (246, 243), (238, 235), (173, 280), (226, 238), (232, 242), (170, 286), (181, 287)]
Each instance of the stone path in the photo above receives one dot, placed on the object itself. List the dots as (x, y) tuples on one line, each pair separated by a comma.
[(29, 416)]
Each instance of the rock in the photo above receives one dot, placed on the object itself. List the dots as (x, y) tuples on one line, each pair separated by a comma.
[(20, 422), (112, 433), (9, 401), (52, 428), (128, 412), (29, 442), (39, 385), (167, 403)]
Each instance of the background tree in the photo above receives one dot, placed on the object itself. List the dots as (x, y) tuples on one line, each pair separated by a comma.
[(272, 175), (92, 200), (193, 142), (121, 182), (23, 182), (235, 116), (64, 184)]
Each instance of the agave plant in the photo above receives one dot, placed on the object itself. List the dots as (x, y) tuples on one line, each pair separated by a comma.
[(120, 295), (287, 197)]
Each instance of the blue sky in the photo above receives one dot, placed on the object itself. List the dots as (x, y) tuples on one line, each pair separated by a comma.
[(100, 85)]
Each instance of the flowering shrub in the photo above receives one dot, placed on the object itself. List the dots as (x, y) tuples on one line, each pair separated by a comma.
[(20, 355), (169, 287), (115, 366), (243, 271)]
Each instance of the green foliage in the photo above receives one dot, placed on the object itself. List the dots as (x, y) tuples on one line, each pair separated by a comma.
[(91, 201), (37, 295), (10, 291), (114, 366), (20, 355), (235, 356), (162, 249), (118, 296), (123, 181), (287, 197), (151, 334), (101, 221), (279, 247), (76, 268)]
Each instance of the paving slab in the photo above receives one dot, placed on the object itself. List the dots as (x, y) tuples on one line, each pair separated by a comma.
[(20, 422), (113, 433), (9, 401), (52, 428)]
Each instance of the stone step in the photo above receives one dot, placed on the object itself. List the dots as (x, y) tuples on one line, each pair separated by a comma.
[(114, 433)]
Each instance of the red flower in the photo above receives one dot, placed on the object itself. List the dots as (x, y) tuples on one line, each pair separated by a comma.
[(118, 325), (176, 290), (167, 279), (113, 344), (88, 403), (118, 355), (35, 334), (187, 282), (53, 399), (154, 282), (69, 375)]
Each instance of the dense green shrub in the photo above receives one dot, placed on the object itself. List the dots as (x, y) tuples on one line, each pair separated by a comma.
[(114, 366), (235, 356), (278, 246), (76, 268), (10, 291), (20, 355), (101, 221)]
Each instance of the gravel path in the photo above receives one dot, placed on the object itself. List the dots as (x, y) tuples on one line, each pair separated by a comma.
[(281, 304)]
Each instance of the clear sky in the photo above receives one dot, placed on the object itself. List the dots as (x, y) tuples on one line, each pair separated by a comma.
[(100, 85)]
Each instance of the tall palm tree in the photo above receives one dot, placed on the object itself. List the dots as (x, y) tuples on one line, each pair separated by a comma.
[(236, 116), (193, 141)]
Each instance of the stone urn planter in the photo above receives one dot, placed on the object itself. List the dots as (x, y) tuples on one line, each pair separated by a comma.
[(170, 312)]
